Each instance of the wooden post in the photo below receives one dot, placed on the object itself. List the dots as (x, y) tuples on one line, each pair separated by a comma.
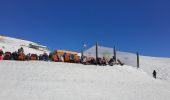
[(137, 59), (96, 53)]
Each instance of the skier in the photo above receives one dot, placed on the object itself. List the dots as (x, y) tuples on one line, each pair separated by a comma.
[(154, 74)]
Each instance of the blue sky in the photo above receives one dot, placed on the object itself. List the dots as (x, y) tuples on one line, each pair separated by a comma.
[(131, 25)]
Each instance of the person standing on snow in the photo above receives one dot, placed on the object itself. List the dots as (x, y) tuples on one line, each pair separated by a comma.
[(154, 74)]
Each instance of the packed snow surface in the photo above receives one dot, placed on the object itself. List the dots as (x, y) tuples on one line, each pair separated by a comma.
[(148, 64), (38, 80)]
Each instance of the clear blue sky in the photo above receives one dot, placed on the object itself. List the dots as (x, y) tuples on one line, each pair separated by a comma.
[(131, 25)]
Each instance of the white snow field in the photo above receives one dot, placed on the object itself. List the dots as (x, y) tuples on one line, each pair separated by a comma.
[(38, 80), (147, 64)]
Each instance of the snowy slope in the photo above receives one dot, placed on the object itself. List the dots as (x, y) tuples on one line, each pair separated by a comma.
[(36, 80), (148, 64), (13, 44)]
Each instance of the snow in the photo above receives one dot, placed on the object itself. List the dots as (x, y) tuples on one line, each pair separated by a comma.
[(13, 44), (38, 80), (161, 65), (148, 64)]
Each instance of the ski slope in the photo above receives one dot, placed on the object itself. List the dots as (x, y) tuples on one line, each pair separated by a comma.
[(13, 44), (37, 80), (147, 64), (161, 65)]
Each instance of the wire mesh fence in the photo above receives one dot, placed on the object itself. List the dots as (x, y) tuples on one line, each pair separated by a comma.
[(127, 58)]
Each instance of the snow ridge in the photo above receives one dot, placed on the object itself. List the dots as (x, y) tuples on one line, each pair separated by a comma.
[(13, 44)]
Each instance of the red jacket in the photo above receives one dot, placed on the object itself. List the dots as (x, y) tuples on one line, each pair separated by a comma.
[(1, 57)]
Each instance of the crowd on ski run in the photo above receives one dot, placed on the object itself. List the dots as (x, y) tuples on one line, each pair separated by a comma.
[(53, 56)]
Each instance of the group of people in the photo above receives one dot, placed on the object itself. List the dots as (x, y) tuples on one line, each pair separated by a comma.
[(101, 61), (19, 55)]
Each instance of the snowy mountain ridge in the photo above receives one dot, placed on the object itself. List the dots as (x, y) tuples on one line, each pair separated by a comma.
[(14, 41), (13, 44)]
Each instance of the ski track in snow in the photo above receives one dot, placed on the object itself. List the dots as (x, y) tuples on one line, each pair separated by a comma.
[(38, 80)]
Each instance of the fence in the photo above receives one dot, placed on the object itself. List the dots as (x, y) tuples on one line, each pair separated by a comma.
[(130, 59)]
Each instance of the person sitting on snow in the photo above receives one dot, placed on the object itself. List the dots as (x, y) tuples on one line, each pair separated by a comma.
[(1, 54), (111, 62), (104, 61), (99, 60), (7, 56), (15, 55), (93, 61), (45, 57), (27, 57), (71, 58), (119, 62), (84, 60)]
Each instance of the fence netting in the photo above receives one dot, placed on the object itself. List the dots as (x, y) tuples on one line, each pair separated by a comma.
[(127, 58)]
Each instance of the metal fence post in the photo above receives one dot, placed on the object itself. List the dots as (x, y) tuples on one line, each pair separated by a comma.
[(137, 53), (115, 53), (96, 53)]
